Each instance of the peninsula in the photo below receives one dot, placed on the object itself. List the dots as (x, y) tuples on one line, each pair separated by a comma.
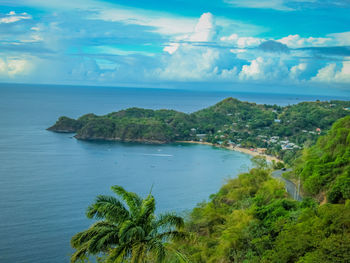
[(261, 129)]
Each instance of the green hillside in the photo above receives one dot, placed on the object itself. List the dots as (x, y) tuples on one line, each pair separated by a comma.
[(252, 218), (325, 167), (281, 131)]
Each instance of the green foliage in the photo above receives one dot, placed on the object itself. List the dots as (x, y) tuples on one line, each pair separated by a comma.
[(251, 219), (277, 165), (65, 124), (325, 167), (127, 231), (259, 162), (231, 120)]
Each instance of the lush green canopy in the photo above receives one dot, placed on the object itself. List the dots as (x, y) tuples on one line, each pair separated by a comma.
[(243, 123)]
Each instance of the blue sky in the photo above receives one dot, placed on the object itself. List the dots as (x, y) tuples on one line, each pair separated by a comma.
[(274, 45)]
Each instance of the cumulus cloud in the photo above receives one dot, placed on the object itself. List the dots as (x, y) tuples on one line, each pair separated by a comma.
[(242, 42), (205, 29), (297, 70), (110, 46), (12, 17), (342, 39), (196, 63), (13, 67), (331, 73), (264, 69), (295, 41)]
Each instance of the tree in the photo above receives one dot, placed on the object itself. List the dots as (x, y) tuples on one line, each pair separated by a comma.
[(126, 234), (259, 162)]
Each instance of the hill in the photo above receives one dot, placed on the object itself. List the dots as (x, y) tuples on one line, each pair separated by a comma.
[(252, 219), (325, 167), (280, 131)]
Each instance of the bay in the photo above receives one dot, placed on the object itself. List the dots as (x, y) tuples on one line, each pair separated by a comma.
[(47, 180)]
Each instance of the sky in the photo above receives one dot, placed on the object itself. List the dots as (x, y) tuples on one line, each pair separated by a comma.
[(288, 46)]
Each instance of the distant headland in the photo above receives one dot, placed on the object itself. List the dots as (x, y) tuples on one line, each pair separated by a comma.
[(268, 130)]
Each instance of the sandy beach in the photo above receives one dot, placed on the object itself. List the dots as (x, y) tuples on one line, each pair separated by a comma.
[(238, 149)]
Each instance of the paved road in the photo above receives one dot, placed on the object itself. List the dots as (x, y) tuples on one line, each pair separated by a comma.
[(291, 188)]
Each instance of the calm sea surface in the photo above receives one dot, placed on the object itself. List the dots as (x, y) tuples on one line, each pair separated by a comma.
[(47, 180)]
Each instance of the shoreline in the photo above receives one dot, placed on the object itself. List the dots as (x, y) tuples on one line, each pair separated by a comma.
[(237, 149)]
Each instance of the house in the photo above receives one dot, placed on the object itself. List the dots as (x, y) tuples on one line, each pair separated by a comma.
[(201, 135), (277, 120), (261, 150)]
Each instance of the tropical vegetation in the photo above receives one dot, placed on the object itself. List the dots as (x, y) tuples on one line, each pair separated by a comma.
[(127, 230), (250, 219), (281, 131)]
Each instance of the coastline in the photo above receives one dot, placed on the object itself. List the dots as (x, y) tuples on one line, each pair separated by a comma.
[(237, 149)]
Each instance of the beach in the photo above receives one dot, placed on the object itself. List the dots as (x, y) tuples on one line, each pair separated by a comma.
[(269, 158)]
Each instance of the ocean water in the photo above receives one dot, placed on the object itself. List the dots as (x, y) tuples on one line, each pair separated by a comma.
[(47, 179)]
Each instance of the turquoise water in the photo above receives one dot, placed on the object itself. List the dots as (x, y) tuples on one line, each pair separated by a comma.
[(47, 179)]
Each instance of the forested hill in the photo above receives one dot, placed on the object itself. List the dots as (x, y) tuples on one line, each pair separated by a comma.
[(252, 219), (280, 131), (325, 168)]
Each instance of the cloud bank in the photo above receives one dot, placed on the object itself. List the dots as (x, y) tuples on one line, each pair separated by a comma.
[(111, 45)]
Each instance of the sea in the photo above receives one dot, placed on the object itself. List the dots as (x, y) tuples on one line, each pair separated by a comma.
[(47, 179)]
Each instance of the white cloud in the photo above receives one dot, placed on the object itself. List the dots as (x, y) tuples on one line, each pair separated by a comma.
[(189, 63), (12, 17), (161, 22), (242, 42), (330, 73), (297, 70), (264, 69), (205, 30), (12, 67), (171, 48), (342, 39), (295, 41)]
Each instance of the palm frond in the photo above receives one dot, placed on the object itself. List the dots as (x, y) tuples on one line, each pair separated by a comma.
[(174, 235), (117, 255), (131, 199), (157, 248), (138, 252), (79, 254), (147, 210), (103, 240), (107, 207), (130, 232), (81, 239), (170, 220), (181, 257)]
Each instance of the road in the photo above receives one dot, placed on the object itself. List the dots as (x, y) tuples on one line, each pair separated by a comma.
[(291, 188)]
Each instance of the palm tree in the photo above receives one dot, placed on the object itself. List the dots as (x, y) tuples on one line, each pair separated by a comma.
[(134, 234)]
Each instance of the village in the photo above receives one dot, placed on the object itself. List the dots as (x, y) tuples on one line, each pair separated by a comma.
[(221, 138)]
